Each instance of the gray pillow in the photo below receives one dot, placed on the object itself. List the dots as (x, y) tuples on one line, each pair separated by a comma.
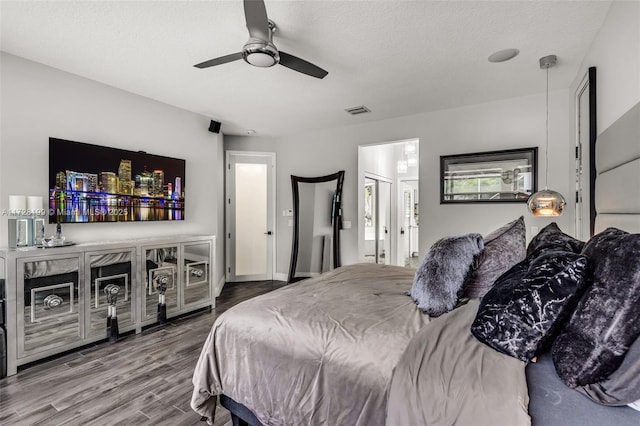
[(503, 248), (441, 276)]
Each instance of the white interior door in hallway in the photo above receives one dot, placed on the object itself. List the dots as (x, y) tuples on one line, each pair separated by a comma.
[(250, 215)]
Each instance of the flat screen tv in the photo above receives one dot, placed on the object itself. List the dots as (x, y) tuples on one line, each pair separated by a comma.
[(91, 183)]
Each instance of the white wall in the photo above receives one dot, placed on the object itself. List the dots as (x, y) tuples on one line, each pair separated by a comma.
[(615, 52), (38, 102), (510, 123), (379, 160)]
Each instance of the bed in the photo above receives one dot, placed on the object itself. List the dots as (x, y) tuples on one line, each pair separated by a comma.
[(342, 334), (349, 347)]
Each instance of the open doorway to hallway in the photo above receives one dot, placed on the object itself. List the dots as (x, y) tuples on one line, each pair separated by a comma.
[(388, 203)]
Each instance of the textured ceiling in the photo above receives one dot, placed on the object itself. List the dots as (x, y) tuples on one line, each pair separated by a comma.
[(396, 57)]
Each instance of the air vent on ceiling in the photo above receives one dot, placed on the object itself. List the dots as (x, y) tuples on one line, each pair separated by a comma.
[(358, 110)]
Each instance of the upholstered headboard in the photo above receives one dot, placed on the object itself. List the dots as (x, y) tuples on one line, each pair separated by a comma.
[(617, 189)]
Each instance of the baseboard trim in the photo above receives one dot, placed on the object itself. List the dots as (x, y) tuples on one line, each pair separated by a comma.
[(220, 285), (279, 276)]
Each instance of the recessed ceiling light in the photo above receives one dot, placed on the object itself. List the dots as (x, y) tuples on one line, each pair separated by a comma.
[(503, 55)]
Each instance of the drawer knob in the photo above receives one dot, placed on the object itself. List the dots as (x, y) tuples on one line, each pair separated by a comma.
[(52, 301), (112, 291), (162, 282)]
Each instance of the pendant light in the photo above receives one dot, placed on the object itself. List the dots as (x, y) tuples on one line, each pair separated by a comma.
[(547, 202)]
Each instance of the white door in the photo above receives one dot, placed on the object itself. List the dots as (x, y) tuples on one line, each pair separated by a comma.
[(250, 201), (384, 223), (377, 221), (407, 250)]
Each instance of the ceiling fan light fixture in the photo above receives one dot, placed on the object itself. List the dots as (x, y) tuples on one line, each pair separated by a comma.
[(263, 58), (260, 53)]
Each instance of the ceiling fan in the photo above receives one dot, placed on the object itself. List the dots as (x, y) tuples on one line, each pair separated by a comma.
[(260, 51)]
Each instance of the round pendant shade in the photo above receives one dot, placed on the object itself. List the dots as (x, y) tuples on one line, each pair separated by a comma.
[(546, 203)]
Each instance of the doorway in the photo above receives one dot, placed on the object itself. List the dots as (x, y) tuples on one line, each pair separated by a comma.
[(250, 216), (586, 133), (388, 203), (377, 220)]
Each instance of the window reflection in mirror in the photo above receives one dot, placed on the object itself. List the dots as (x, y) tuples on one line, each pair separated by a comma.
[(496, 176)]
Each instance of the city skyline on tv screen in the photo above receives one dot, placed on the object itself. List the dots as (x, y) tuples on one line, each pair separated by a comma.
[(93, 183)]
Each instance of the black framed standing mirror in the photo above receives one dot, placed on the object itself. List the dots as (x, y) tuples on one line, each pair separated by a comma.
[(317, 220)]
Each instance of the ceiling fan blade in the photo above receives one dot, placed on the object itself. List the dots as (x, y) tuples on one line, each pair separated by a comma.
[(255, 14), (300, 65), (220, 60)]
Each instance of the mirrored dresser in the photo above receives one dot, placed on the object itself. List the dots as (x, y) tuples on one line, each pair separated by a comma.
[(61, 298)]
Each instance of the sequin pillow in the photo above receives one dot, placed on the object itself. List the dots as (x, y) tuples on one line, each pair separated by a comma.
[(523, 312)]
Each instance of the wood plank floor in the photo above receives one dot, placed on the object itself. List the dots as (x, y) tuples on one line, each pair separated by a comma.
[(143, 379)]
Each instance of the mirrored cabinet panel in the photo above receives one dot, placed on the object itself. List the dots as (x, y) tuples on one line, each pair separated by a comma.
[(195, 276), (57, 299), (49, 309), (161, 280), (110, 290)]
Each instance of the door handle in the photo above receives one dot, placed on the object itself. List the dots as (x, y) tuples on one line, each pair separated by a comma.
[(401, 231), (268, 233)]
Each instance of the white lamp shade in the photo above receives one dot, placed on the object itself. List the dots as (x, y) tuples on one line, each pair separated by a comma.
[(546, 203), (17, 204), (34, 204)]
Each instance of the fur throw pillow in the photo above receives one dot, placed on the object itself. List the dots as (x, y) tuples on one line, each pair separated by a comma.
[(503, 248), (552, 238), (607, 319), (526, 307), (441, 276)]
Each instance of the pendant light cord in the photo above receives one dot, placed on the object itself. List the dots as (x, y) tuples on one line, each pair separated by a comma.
[(546, 152)]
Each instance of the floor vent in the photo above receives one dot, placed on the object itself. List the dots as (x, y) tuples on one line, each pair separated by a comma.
[(358, 110)]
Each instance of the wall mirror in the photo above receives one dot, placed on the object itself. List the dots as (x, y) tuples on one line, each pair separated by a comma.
[(317, 220), (495, 176)]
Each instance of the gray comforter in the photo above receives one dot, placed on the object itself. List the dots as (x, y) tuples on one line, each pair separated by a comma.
[(323, 352), (447, 377)]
